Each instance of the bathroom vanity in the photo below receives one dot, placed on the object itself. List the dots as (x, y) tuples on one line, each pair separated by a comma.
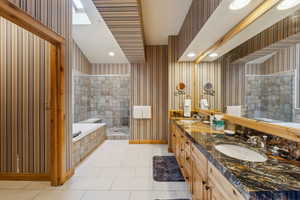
[(212, 175)]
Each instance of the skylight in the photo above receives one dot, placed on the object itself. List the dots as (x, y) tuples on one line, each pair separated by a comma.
[(79, 15), (78, 5)]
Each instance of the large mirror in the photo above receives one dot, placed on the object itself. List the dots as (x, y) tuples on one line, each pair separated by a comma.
[(272, 87)]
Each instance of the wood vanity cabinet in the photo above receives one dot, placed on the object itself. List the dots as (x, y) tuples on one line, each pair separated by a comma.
[(199, 177), (219, 187), (204, 180)]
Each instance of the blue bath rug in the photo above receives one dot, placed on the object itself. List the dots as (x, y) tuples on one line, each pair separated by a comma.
[(166, 169)]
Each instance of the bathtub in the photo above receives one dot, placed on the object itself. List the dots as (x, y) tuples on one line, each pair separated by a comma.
[(85, 129)]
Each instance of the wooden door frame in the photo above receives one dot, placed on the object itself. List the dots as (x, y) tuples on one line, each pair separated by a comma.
[(58, 174)]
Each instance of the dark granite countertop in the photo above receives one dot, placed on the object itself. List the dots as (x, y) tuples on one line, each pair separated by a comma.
[(275, 179)]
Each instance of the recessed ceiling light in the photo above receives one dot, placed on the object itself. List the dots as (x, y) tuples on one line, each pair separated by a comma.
[(78, 4), (238, 4), (286, 4), (111, 54), (213, 55), (191, 55)]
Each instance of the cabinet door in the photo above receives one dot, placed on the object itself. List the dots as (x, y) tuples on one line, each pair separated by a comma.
[(219, 186), (199, 182), (216, 194), (199, 190), (173, 142)]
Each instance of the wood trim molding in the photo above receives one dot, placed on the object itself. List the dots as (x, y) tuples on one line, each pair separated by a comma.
[(252, 17), (68, 175), (58, 173), (14, 14), (148, 142), (281, 131), (24, 177)]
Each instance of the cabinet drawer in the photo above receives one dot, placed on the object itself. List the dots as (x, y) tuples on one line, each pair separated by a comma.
[(219, 183)]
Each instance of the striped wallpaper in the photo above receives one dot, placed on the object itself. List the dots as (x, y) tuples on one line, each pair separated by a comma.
[(283, 61), (197, 16), (233, 83), (178, 72), (56, 14), (209, 72), (80, 62), (149, 86), (25, 95), (254, 69), (103, 69), (189, 73)]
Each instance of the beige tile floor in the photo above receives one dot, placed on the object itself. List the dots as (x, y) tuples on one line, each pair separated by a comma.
[(115, 171)]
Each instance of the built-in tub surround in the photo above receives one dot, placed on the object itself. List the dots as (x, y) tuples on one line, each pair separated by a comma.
[(270, 96), (277, 178), (92, 135)]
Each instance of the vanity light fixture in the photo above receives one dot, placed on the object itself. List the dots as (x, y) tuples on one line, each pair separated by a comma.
[(191, 55), (213, 55), (111, 54), (287, 4), (238, 4)]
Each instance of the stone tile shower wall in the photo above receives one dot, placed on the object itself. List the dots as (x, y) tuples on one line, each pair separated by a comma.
[(81, 85), (270, 96), (105, 97), (109, 99)]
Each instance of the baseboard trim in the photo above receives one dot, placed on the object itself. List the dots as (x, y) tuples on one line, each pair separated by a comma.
[(24, 177), (148, 142)]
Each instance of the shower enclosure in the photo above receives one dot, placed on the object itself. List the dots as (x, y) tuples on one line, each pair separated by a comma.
[(106, 97)]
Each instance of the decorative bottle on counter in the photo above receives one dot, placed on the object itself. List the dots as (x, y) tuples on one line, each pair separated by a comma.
[(187, 107)]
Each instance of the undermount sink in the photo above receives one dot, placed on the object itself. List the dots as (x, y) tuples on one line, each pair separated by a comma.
[(241, 153)]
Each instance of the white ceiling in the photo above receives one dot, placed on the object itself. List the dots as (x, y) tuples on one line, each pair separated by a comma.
[(162, 18), (218, 24), (96, 40)]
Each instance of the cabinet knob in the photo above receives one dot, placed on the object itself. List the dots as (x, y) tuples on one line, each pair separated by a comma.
[(234, 192), (187, 158), (207, 187), (187, 178), (187, 143), (203, 182)]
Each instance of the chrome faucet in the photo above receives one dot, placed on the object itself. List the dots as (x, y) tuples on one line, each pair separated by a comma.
[(256, 140)]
